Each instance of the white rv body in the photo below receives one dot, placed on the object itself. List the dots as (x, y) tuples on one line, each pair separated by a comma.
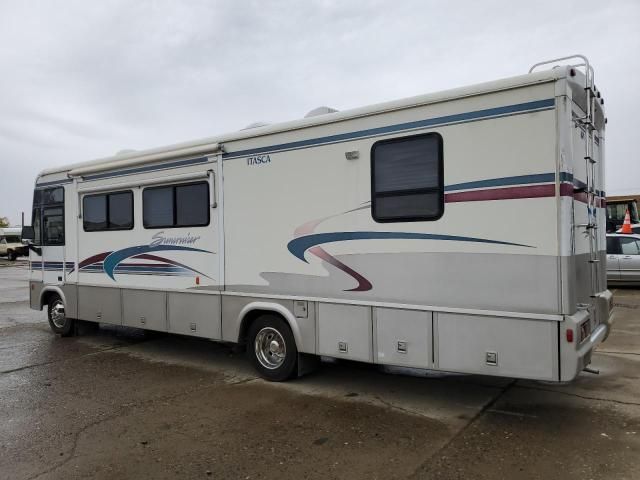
[(492, 286)]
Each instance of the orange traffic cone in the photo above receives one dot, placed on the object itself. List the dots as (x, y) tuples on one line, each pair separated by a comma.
[(626, 225)]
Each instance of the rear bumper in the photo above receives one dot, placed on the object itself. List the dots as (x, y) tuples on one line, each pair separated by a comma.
[(576, 355)]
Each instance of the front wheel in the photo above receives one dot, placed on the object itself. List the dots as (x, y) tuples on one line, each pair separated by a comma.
[(272, 348), (58, 320), (11, 255)]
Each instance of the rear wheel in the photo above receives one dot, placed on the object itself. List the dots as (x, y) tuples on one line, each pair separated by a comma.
[(11, 255), (272, 348), (58, 320)]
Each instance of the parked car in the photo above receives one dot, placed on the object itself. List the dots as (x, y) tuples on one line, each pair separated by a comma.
[(11, 244), (623, 258)]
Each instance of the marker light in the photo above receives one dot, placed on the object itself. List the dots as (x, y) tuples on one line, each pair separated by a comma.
[(570, 335)]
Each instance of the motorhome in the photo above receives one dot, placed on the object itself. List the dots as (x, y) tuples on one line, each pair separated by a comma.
[(460, 231)]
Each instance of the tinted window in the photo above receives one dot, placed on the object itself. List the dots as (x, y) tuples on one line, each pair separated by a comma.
[(192, 204), (120, 210), (407, 179), (613, 245), (48, 222), (629, 246), (107, 211), (94, 213), (157, 206), (176, 206), (53, 226)]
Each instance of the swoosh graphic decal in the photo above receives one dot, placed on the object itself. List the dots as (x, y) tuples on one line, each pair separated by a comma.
[(308, 228), (298, 246), (113, 259)]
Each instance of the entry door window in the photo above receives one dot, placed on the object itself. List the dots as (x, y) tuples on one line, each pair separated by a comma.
[(53, 223)]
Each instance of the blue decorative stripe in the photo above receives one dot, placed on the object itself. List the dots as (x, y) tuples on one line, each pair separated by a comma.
[(52, 266), (299, 245), (113, 259), (503, 182), (148, 168), (430, 122)]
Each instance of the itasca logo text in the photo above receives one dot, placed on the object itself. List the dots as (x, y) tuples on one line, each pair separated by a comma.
[(160, 239), (258, 160)]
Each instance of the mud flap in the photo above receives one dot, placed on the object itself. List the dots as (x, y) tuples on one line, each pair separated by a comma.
[(307, 363)]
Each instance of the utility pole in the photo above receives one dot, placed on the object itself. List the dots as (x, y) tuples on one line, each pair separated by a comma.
[(22, 225)]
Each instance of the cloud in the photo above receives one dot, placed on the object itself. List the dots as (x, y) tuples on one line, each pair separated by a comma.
[(83, 80)]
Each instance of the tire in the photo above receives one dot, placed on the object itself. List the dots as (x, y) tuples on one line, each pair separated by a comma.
[(11, 255), (272, 349), (58, 321)]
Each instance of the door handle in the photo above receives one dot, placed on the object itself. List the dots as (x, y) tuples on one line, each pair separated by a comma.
[(627, 257)]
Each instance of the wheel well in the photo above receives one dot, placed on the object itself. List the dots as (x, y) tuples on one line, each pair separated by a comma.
[(251, 317), (47, 296)]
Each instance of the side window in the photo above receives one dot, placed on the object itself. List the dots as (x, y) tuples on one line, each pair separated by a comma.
[(3, 241), (613, 245), (192, 205), (120, 208), (630, 246), (94, 213), (176, 206), (407, 181), (107, 211), (157, 207)]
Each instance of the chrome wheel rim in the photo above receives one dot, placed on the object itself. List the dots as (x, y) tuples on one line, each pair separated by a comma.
[(270, 348), (58, 317)]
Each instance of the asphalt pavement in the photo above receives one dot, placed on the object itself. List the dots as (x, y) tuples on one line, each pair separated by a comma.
[(119, 403)]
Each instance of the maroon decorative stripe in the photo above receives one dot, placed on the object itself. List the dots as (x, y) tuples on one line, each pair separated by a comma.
[(94, 259), (526, 191), (506, 193)]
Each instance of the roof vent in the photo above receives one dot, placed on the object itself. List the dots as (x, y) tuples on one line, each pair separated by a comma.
[(320, 111), (255, 125)]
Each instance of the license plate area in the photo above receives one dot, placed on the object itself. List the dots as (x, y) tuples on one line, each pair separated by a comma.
[(585, 330)]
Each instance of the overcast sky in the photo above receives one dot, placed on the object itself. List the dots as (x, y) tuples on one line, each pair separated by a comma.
[(81, 79)]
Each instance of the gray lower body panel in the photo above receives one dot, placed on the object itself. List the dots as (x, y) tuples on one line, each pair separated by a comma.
[(516, 283)]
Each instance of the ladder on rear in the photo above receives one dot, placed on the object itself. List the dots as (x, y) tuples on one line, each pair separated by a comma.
[(588, 129)]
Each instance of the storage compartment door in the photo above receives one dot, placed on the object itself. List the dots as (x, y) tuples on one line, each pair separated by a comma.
[(195, 314), (144, 309), (403, 337), (503, 346), (344, 331)]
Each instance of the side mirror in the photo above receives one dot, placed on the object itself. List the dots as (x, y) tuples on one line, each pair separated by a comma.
[(28, 233)]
